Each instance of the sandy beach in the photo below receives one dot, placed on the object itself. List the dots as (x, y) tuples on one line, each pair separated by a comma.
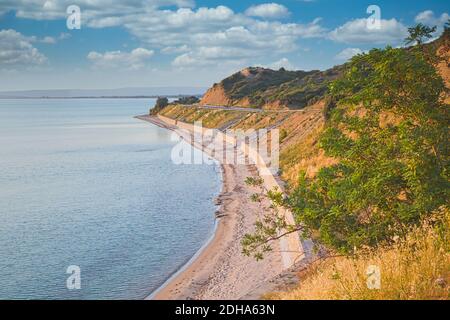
[(220, 270)]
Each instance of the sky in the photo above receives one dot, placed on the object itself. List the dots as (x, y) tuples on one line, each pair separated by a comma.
[(157, 43)]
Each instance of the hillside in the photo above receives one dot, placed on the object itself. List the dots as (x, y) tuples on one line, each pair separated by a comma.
[(258, 87), (300, 132)]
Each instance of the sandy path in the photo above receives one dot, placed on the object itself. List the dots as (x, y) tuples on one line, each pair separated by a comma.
[(221, 271)]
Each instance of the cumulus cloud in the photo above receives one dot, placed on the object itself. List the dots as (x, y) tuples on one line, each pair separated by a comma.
[(17, 50), (238, 43), (134, 60), (356, 31), (56, 9), (175, 49), (212, 56), (348, 53), (276, 65), (64, 36), (428, 17), (191, 34), (48, 40), (268, 10), (282, 63)]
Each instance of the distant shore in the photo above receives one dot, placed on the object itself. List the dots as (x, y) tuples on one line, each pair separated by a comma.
[(97, 97), (219, 270)]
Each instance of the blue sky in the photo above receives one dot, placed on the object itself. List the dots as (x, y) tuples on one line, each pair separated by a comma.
[(187, 42)]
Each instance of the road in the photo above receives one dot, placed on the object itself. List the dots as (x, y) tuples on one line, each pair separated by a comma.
[(232, 108)]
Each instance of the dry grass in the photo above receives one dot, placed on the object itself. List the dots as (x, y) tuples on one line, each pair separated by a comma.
[(304, 155), (209, 118), (417, 267)]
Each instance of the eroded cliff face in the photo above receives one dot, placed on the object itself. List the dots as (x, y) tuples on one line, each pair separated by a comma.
[(443, 65), (216, 96), (226, 93)]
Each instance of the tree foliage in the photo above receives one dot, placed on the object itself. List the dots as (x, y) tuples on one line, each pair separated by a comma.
[(187, 100), (419, 33), (160, 104), (389, 132)]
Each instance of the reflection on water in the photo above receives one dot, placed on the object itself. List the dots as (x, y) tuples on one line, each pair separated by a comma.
[(84, 183)]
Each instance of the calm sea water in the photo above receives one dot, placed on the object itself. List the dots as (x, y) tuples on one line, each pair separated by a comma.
[(83, 183)]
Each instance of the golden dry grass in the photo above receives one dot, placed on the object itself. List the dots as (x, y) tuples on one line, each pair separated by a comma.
[(210, 118), (303, 155), (417, 267)]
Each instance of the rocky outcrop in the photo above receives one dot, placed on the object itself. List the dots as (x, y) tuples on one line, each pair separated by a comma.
[(216, 95)]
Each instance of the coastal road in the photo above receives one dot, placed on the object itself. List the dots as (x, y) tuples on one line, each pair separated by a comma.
[(211, 107), (232, 108)]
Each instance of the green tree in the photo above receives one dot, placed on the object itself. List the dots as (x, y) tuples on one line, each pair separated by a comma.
[(187, 100), (390, 134), (419, 33), (389, 131), (160, 104)]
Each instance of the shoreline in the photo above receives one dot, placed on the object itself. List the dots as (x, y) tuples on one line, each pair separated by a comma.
[(218, 270), (185, 265)]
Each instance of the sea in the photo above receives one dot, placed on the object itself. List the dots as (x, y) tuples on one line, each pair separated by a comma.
[(91, 204)]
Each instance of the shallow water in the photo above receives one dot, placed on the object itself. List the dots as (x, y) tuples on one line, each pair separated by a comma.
[(84, 183)]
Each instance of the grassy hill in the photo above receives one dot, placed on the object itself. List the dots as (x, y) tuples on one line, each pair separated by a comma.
[(271, 89), (415, 267)]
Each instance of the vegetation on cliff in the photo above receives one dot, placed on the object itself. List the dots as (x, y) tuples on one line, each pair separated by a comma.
[(187, 100), (415, 267), (385, 201), (389, 134), (367, 168), (160, 104), (391, 173), (273, 89)]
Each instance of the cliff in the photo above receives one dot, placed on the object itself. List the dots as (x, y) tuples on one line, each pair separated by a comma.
[(257, 87)]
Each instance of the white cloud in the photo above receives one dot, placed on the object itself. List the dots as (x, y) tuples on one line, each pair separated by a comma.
[(175, 49), (91, 9), (48, 40), (191, 32), (213, 27), (239, 43), (356, 31), (212, 56), (282, 63), (348, 53), (16, 50), (133, 60), (268, 10), (64, 36), (187, 32), (428, 17), (276, 65)]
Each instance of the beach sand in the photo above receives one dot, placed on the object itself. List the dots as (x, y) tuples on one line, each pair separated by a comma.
[(220, 270)]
